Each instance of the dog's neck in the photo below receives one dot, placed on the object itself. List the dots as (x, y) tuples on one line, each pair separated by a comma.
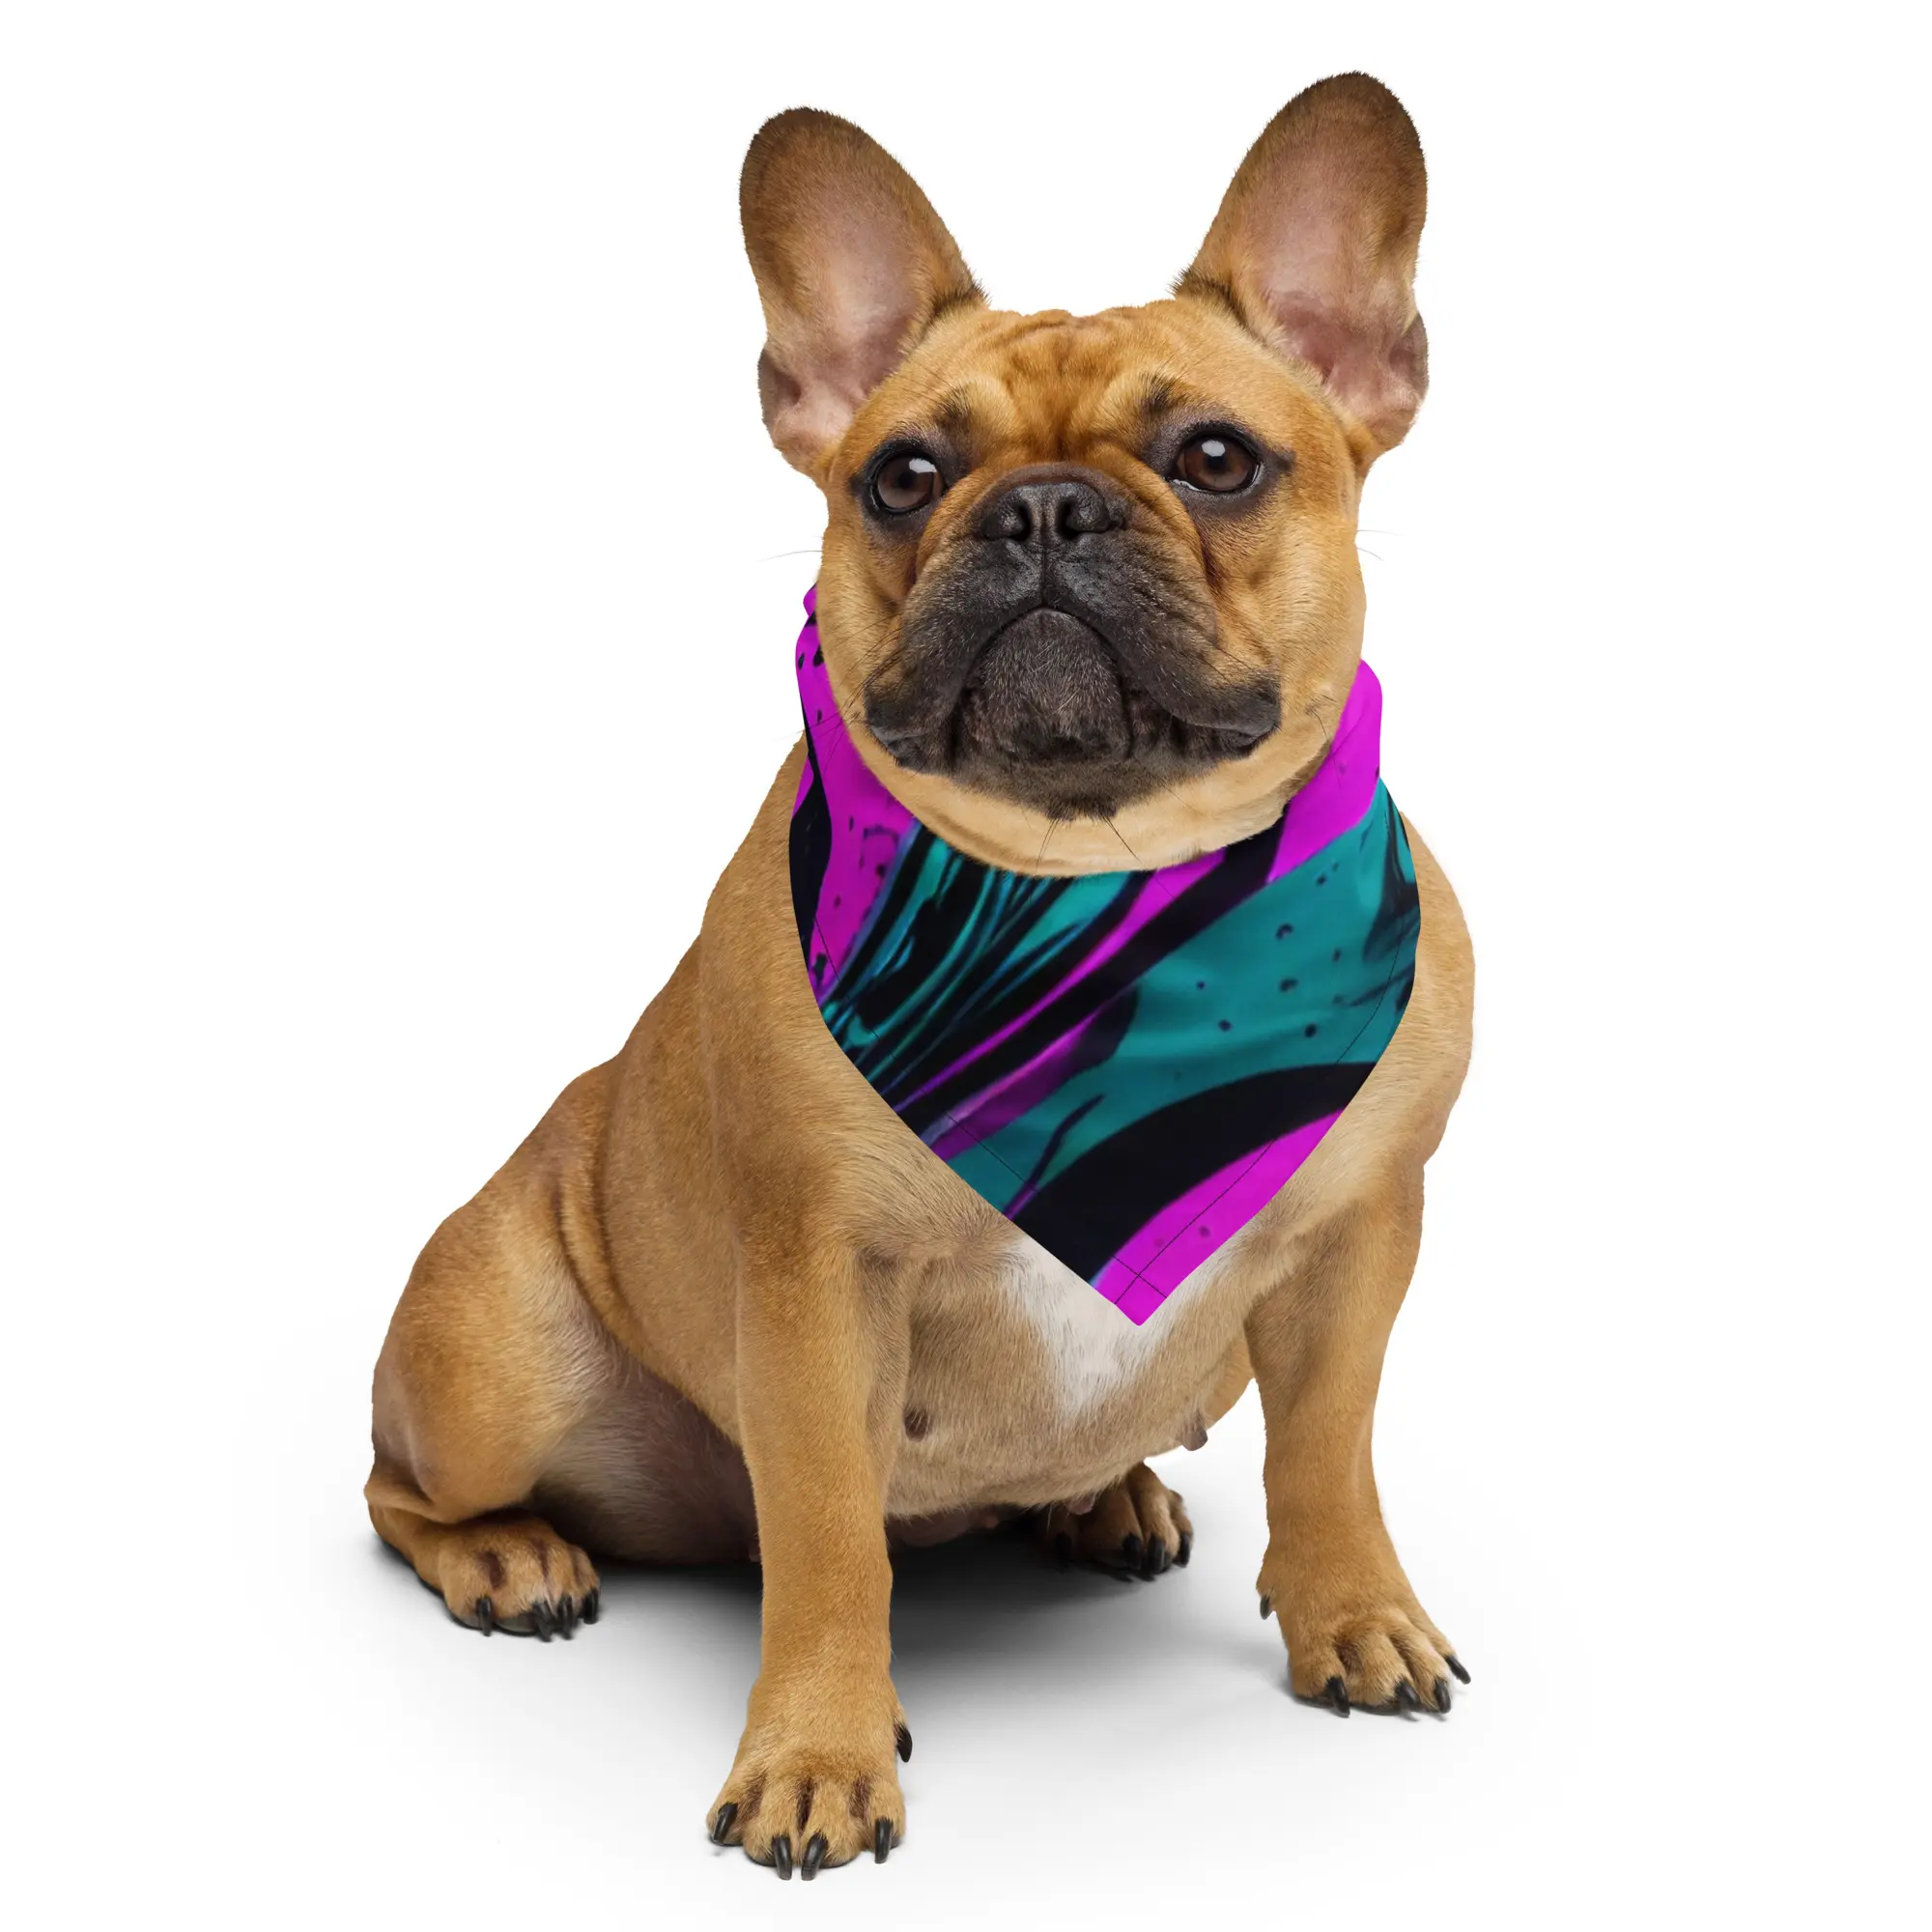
[(1013, 839)]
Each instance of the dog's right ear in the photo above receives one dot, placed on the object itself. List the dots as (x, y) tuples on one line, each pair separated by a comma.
[(851, 263)]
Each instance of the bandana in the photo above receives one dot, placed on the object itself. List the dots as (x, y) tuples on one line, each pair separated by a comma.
[(1127, 1065)]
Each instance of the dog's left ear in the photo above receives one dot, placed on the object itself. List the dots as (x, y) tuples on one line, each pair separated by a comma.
[(1315, 249), (851, 264)]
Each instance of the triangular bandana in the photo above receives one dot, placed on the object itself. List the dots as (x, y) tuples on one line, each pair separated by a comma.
[(1127, 1065)]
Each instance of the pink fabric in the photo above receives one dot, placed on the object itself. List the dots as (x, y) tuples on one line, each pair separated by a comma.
[(1340, 792), (858, 864), (1187, 1232)]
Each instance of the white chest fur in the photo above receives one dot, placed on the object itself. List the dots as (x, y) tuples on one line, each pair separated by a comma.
[(1092, 1349)]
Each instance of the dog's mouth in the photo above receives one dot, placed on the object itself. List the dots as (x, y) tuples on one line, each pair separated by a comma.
[(1049, 713)]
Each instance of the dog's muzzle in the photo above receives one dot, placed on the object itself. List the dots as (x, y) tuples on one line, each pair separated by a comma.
[(1048, 648)]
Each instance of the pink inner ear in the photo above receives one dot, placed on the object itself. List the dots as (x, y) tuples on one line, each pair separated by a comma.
[(864, 339), (1372, 364), (869, 292), (1315, 333)]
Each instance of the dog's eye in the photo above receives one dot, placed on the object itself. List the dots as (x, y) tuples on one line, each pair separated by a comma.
[(1215, 463), (906, 482)]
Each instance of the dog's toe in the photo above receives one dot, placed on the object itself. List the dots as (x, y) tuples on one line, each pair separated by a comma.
[(1384, 1657), (812, 1789), (516, 1574), (1137, 1528)]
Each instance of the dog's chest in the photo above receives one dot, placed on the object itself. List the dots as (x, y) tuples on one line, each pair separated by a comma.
[(1028, 1359), (1027, 1386), (1088, 1352)]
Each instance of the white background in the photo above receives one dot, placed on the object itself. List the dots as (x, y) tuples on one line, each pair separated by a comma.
[(397, 587)]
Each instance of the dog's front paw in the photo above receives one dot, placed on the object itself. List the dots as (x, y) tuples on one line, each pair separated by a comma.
[(815, 1782), (1359, 1639)]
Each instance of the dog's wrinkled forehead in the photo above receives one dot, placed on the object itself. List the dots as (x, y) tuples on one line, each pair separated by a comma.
[(1003, 389), (1049, 386)]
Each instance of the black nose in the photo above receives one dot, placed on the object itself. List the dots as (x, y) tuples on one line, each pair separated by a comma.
[(1046, 509)]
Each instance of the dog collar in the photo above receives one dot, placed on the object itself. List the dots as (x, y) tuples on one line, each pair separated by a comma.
[(1127, 1065)]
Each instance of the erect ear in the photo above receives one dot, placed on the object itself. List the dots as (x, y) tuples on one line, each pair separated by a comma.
[(851, 264), (1315, 249)]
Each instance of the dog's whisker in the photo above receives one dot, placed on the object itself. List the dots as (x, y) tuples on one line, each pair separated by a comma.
[(1122, 837)]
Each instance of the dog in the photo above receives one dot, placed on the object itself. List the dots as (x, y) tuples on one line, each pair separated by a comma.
[(1089, 605)]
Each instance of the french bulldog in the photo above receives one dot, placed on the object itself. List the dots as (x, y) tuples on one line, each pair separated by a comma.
[(1089, 603)]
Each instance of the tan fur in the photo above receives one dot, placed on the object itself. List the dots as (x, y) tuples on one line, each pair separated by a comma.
[(720, 1256)]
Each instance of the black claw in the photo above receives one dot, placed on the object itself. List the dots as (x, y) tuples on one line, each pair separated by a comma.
[(1461, 1675), (1063, 1548), (882, 1839), (902, 1743), (566, 1616), (721, 1826), (486, 1616), (1131, 1548), (1442, 1695), (815, 1849), (1156, 1556), (546, 1625), (591, 1607), (1406, 1697), (1186, 1550), (1337, 1693), (782, 1856), (1267, 1607)]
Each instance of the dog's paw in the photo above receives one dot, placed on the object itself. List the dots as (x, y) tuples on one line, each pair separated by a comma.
[(515, 1574), (815, 1787), (1369, 1646), (1136, 1528)]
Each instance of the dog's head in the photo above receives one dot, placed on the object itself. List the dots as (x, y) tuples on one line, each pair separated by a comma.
[(1090, 582)]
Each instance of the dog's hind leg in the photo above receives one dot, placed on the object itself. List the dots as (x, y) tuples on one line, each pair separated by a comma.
[(504, 1571), (491, 1360)]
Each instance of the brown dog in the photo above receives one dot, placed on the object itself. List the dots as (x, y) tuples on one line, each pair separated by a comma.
[(721, 1302)]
